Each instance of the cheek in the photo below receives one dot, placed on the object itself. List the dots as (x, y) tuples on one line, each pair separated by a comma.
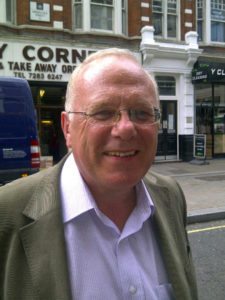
[(150, 136), (89, 139), (76, 135), (151, 142)]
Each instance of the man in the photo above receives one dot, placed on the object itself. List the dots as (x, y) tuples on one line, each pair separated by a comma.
[(94, 226)]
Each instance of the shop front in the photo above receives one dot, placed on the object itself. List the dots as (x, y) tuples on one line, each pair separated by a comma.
[(171, 65), (47, 69), (209, 83), (49, 103)]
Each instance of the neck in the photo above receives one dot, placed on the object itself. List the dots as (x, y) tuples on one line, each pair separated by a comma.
[(117, 205)]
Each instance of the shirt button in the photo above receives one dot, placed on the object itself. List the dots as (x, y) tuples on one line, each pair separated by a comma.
[(133, 289)]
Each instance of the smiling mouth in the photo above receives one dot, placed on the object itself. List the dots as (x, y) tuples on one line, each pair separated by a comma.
[(121, 154)]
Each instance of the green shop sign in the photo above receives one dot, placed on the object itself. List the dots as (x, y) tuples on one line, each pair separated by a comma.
[(206, 72)]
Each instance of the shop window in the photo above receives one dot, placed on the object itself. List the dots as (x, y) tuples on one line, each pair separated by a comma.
[(213, 12), (166, 85), (210, 116), (203, 94), (103, 15), (165, 18), (51, 96), (7, 11), (219, 119)]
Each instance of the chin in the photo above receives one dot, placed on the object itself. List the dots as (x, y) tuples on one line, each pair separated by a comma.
[(123, 180)]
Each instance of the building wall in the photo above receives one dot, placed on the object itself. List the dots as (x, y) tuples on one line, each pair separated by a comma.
[(188, 17), (134, 18), (140, 15), (60, 13)]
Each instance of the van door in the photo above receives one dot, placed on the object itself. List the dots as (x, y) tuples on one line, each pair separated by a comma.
[(14, 141), (19, 151)]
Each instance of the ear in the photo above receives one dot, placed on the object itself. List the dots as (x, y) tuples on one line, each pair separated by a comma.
[(65, 124)]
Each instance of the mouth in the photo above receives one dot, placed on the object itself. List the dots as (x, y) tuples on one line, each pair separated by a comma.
[(121, 154)]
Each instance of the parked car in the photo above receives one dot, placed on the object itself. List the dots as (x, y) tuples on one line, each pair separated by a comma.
[(19, 148)]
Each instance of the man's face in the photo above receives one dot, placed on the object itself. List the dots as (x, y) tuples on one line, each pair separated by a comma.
[(112, 156)]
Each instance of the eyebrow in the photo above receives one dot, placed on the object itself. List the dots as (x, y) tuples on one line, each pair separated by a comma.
[(100, 105), (144, 104), (105, 104)]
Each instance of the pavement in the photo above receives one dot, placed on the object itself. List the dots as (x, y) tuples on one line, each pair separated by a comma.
[(203, 184)]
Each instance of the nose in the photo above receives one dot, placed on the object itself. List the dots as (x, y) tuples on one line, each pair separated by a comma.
[(124, 127)]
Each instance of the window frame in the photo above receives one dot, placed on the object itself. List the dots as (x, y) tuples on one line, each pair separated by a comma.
[(117, 17), (102, 7), (169, 82), (200, 19), (207, 24), (3, 13), (165, 13), (214, 20)]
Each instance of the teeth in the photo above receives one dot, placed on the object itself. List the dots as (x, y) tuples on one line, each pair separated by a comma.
[(121, 154)]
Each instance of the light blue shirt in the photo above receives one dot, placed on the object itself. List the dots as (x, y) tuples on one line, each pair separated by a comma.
[(103, 262)]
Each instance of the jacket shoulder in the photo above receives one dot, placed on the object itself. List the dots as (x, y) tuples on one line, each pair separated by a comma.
[(170, 193), (155, 179), (15, 195)]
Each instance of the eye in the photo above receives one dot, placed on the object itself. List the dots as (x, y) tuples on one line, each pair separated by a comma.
[(103, 115), (143, 115)]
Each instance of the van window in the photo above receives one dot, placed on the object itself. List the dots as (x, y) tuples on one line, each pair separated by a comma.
[(12, 120)]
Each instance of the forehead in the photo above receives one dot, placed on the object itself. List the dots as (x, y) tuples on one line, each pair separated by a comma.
[(117, 69), (115, 79)]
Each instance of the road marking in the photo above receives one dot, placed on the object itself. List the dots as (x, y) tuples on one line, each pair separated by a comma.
[(205, 229), (212, 173)]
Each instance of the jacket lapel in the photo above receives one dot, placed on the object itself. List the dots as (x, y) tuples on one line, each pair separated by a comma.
[(164, 220), (43, 239)]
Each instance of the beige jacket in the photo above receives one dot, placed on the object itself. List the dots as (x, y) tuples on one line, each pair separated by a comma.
[(33, 264)]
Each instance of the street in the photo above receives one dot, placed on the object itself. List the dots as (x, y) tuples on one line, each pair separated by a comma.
[(208, 249), (203, 185)]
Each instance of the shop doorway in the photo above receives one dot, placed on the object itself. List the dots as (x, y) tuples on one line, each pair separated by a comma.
[(51, 136), (167, 137), (49, 103)]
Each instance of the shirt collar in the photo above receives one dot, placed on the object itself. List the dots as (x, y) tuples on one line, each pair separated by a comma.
[(76, 197), (74, 187)]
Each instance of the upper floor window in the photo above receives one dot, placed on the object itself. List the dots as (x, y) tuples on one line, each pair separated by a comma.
[(104, 15), (200, 19), (7, 11), (165, 18), (124, 16), (218, 20), (213, 12), (78, 14)]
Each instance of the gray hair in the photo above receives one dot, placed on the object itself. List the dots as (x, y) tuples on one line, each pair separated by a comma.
[(71, 87)]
